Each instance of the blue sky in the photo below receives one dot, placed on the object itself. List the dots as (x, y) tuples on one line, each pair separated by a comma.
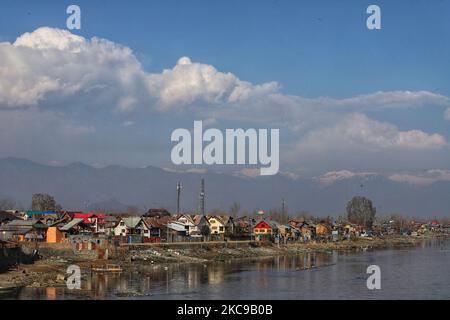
[(312, 49), (307, 46)]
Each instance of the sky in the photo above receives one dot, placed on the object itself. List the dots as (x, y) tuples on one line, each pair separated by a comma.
[(344, 97)]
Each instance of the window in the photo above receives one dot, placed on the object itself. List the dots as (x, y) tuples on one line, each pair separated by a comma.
[(221, 228), (122, 223), (212, 221)]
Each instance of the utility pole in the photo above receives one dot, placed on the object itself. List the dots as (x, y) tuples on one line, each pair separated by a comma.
[(179, 187), (202, 198), (283, 207)]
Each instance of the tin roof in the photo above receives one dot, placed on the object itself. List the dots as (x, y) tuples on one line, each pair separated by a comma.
[(71, 224), (176, 226), (132, 222)]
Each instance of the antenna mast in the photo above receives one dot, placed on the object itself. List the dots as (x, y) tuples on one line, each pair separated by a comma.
[(202, 198)]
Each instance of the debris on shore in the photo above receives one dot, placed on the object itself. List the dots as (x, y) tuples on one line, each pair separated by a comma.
[(51, 271)]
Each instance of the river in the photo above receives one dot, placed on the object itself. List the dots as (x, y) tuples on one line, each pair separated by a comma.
[(420, 272)]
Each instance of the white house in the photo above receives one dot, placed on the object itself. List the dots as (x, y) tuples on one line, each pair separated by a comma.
[(131, 226)]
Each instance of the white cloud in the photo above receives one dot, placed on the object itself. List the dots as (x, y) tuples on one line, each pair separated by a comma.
[(331, 177), (50, 60), (128, 123), (188, 83), (50, 38), (389, 99), (447, 114), (357, 130), (425, 178), (248, 173), (51, 66), (54, 73)]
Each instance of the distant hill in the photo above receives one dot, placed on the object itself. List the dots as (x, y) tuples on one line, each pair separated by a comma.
[(79, 186)]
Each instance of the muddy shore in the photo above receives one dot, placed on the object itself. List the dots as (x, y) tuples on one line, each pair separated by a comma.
[(51, 270)]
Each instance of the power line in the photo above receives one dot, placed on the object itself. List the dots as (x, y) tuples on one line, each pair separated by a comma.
[(179, 187)]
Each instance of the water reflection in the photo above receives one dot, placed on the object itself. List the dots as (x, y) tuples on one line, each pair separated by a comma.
[(420, 272)]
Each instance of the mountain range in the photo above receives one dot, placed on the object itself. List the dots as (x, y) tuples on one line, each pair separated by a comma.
[(82, 187)]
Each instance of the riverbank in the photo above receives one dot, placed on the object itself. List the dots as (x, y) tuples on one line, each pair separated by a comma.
[(51, 271)]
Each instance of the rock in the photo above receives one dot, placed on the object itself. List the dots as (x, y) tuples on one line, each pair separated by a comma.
[(60, 277)]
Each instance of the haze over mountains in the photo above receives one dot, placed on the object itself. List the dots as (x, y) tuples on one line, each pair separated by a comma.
[(80, 187)]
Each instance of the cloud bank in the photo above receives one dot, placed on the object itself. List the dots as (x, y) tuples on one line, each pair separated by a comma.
[(53, 74)]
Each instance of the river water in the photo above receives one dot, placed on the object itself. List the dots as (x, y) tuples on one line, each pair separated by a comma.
[(420, 272)]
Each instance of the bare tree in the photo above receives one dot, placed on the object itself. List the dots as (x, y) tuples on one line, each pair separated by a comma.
[(235, 209), (44, 202), (360, 210), (401, 223), (278, 215), (6, 204), (205, 231)]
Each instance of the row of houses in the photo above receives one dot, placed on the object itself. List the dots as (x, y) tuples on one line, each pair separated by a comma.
[(154, 226), (158, 225)]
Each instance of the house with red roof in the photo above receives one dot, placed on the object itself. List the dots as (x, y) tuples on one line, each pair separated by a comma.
[(95, 220)]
